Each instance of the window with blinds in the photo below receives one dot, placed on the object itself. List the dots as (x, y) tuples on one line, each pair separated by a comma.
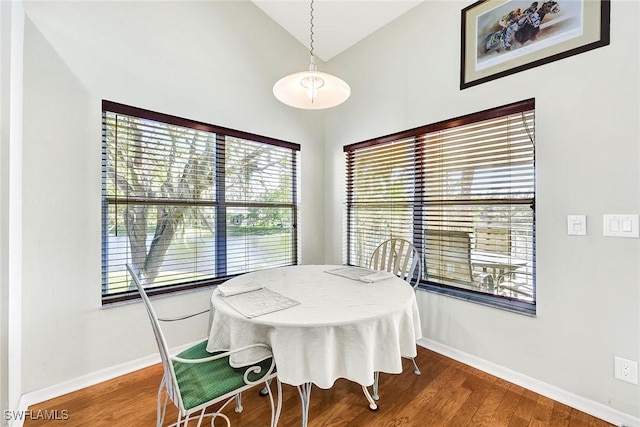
[(188, 204), (463, 191)]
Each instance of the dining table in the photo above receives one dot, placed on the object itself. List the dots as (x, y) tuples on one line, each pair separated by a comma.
[(321, 323)]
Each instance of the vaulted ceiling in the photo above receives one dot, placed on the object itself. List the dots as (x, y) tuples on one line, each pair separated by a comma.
[(338, 24)]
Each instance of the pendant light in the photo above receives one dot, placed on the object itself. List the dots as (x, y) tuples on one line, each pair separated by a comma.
[(311, 90)]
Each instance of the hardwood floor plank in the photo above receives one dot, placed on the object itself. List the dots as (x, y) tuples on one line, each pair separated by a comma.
[(518, 422), (579, 419), (560, 415), (439, 409), (447, 394), (452, 407), (490, 404), (479, 387), (526, 405), (430, 381), (508, 406), (542, 412)]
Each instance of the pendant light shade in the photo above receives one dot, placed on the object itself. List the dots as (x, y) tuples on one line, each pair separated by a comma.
[(312, 89)]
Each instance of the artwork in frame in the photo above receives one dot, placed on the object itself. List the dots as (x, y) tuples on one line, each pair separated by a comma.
[(503, 37)]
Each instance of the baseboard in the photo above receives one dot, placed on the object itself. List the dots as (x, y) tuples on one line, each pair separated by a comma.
[(93, 378), (590, 407)]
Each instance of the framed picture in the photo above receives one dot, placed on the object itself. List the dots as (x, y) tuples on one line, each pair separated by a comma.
[(503, 37)]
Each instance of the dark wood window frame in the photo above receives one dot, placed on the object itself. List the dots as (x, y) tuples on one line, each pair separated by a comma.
[(288, 154), (412, 195)]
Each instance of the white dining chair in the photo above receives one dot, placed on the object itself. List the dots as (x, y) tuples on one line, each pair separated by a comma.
[(400, 257)]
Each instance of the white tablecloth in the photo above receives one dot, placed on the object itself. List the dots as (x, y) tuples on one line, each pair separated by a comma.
[(342, 328)]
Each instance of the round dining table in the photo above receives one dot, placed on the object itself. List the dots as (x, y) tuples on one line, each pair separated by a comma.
[(319, 324)]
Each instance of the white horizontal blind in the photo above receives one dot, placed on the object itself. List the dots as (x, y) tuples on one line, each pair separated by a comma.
[(380, 194), (186, 203), (462, 191), (260, 201)]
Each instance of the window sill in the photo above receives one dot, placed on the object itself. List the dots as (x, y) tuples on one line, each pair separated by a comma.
[(499, 302), (130, 296)]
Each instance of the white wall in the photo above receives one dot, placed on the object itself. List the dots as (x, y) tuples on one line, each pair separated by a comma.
[(5, 81), (587, 161), (209, 61), (11, 36), (216, 62)]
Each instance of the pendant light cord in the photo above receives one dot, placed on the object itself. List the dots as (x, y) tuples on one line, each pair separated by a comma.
[(311, 33)]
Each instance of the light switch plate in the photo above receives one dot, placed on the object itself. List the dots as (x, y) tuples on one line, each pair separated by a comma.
[(620, 225), (577, 225)]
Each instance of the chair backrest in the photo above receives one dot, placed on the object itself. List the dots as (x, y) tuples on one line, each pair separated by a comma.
[(163, 348), (399, 257), (447, 255), (492, 239)]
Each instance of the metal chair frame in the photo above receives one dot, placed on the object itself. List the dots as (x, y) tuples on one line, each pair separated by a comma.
[(169, 383)]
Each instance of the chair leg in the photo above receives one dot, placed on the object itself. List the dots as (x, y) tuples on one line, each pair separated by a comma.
[(376, 382), (372, 403), (415, 365), (376, 385), (265, 390), (239, 407), (200, 418), (161, 409), (304, 390), (275, 413)]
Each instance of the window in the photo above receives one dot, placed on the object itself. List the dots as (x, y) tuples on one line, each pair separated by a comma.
[(463, 191), (188, 204)]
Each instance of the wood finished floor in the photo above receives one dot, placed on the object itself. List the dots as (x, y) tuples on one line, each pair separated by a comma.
[(447, 393)]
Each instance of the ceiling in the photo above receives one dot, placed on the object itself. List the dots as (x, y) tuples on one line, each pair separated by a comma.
[(338, 24)]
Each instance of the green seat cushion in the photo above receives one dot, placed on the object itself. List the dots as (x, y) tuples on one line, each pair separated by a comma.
[(203, 382)]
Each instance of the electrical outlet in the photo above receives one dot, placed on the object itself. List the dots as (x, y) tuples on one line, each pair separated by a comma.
[(626, 370)]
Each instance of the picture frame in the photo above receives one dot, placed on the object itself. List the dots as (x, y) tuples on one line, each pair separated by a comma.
[(504, 37)]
